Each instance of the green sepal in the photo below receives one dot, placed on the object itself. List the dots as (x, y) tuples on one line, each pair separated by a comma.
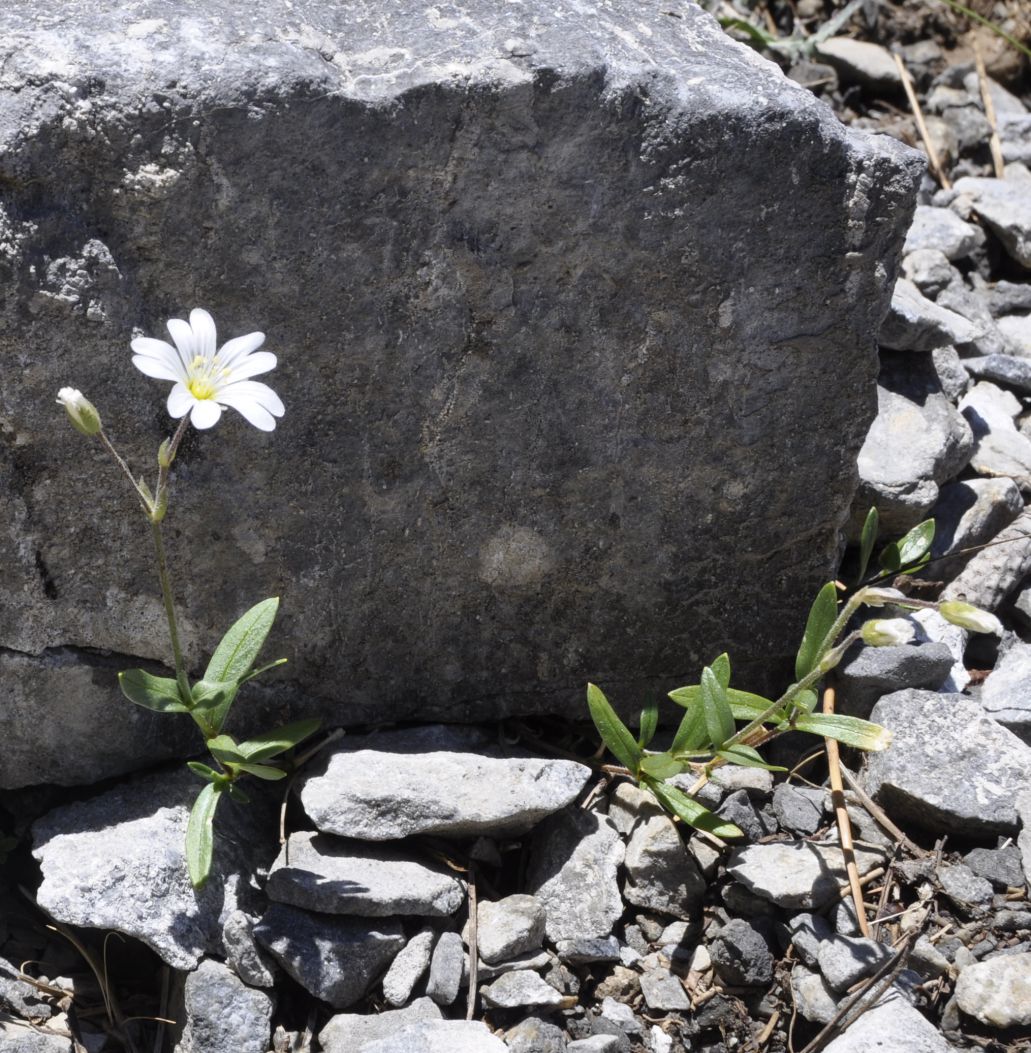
[(852, 731), (614, 733), (867, 540), (279, 740), (911, 551), (661, 766), (262, 771), (200, 834), (690, 811), (648, 724), (242, 644), (822, 616), (746, 757), (719, 717), (158, 693)]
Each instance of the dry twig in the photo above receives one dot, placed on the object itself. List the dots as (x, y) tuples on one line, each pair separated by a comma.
[(474, 948), (932, 154), (989, 111)]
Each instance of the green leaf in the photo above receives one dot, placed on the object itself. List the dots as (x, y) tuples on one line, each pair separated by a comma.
[(649, 722), (614, 733), (721, 667), (911, 551), (719, 718), (755, 34), (691, 735), (822, 616), (205, 772), (211, 702), (692, 813), (867, 540), (152, 692), (661, 766), (806, 700), (263, 747), (200, 835), (223, 748), (850, 730), (240, 647), (746, 757), (263, 771)]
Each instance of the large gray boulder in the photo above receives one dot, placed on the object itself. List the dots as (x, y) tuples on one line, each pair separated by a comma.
[(556, 291)]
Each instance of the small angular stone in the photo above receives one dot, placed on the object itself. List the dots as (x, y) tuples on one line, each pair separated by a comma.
[(1001, 866), (440, 1036), (970, 513), (994, 573), (333, 876), (799, 810), (796, 874), (574, 862), (1005, 206), (1009, 370), (808, 931), (868, 673), (407, 969), (941, 229), (335, 958), (595, 1044), (950, 768), (440, 780), (845, 960), (861, 62), (446, 968), (534, 1035), (663, 992), (1016, 328), (964, 887), (661, 873), (222, 1013), (929, 269), (915, 323), (997, 991), (740, 955), (586, 951), (523, 989), (243, 955), (814, 999), (509, 927), (1006, 693), (352, 1032)]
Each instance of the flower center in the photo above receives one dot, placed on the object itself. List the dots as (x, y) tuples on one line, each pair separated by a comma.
[(205, 374)]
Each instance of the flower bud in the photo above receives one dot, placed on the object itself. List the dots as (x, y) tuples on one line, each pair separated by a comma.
[(875, 597), (887, 632), (81, 412), (165, 454), (967, 616)]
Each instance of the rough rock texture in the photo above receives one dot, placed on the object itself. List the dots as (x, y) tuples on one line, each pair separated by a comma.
[(504, 257), (993, 573), (333, 876), (439, 1036), (894, 1026), (352, 1032), (997, 992), (1006, 694), (16, 1037), (451, 782), (407, 969), (661, 874), (950, 768), (509, 927), (118, 861), (222, 1013)]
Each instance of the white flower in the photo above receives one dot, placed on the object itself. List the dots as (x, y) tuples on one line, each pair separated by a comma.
[(82, 413), (887, 632), (967, 616), (206, 379)]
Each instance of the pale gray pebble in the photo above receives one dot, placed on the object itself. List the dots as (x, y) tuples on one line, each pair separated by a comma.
[(970, 512), (1010, 370), (446, 968), (222, 1013), (861, 62), (16, 1037), (964, 888), (659, 1041), (620, 1014), (987, 338), (661, 873), (737, 808), (1006, 693), (941, 230), (808, 931), (845, 960), (583, 952), (1004, 298), (663, 992), (799, 809), (1016, 328), (534, 1035), (997, 991), (814, 999), (487, 971), (1005, 207), (522, 989), (509, 927), (929, 270), (952, 374), (243, 955), (595, 1044), (1001, 866), (927, 959), (439, 1036), (740, 955), (892, 1026), (915, 323), (408, 968), (995, 572), (352, 1032)]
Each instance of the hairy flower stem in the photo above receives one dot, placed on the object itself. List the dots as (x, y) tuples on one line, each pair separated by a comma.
[(173, 630)]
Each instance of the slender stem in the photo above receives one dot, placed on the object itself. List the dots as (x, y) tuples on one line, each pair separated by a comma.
[(162, 483), (173, 630), (125, 468)]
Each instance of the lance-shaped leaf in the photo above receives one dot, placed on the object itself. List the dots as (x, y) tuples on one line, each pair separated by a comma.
[(746, 757), (152, 692), (648, 724), (743, 704), (205, 772), (692, 813), (853, 731), (721, 667), (200, 834), (240, 647), (262, 771), (822, 615), (223, 748), (614, 733), (691, 734), (911, 551), (211, 702), (661, 766), (719, 718), (867, 540), (279, 740)]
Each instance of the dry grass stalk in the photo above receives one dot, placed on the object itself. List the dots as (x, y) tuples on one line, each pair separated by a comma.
[(989, 111), (914, 103)]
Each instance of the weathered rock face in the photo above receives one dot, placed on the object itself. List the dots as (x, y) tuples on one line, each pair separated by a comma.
[(575, 310)]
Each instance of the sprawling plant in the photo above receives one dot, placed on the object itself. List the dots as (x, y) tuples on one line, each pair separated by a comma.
[(709, 734), (206, 379)]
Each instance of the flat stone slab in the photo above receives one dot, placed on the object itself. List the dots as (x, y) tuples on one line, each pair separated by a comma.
[(118, 861), (332, 876), (222, 1013), (950, 767), (796, 874), (893, 1026), (526, 325), (452, 782), (998, 991), (352, 1032)]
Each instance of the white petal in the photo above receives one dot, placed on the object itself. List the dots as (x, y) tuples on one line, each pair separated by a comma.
[(252, 391), (252, 365), (151, 367), (204, 335), (252, 411), (180, 401), (205, 413), (240, 345), (160, 351), (182, 334)]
